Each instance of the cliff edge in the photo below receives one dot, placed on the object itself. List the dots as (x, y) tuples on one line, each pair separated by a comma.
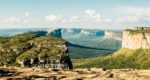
[(136, 38)]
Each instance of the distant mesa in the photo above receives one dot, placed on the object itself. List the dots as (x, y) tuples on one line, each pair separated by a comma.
[(136, 38), (55, 33), (113, 34), (38, 32)]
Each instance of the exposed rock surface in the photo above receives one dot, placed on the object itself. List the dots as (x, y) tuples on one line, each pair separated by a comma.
[(31, 50), (136, 38), (77, 74)]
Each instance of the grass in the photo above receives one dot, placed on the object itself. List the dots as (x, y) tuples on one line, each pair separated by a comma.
[(78, 53), (137, 31), (124, 58)]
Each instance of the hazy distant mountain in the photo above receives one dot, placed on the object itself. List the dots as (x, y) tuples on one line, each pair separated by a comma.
[(93, 38), (69, 31), (113, 34), (96, 42), (12, 32), (78, 33)]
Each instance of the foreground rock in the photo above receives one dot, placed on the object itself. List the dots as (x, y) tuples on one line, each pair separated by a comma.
[(77, 74)]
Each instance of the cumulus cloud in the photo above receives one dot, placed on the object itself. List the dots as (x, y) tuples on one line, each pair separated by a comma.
[(135, 10), (71, 19), (128, 19), (26, 14), (74, 17), (12, 19), (92, 15), (52, 18), (133, 15), (25, 21)]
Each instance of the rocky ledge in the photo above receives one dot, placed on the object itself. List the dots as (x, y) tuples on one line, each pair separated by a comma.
[(76, 74)]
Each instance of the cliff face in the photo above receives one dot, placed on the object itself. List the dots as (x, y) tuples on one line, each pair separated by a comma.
[(136, 38), (31, 50)]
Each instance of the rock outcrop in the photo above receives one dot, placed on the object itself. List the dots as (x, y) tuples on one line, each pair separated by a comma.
[(136, 38), (31, 50)]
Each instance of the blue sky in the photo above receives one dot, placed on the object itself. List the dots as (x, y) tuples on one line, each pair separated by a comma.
[(110, 14)]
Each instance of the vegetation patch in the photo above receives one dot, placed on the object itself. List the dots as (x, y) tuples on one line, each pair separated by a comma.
[(124, 58), (131, 31), (29, 46)]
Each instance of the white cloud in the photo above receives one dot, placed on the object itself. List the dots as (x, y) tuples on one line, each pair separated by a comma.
[(71, 19), (135, 10), (92, 14), (12, 19), (52, 18), (148, 18), (64, 21), (26, 14), (125, 16), (107, 20), (25, 21), (132, 14), (128, 19), (74, 17)]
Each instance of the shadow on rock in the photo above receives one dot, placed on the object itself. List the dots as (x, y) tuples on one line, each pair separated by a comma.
[(5, 72)]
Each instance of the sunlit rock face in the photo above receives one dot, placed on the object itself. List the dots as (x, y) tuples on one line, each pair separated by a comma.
[(136, 38)]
